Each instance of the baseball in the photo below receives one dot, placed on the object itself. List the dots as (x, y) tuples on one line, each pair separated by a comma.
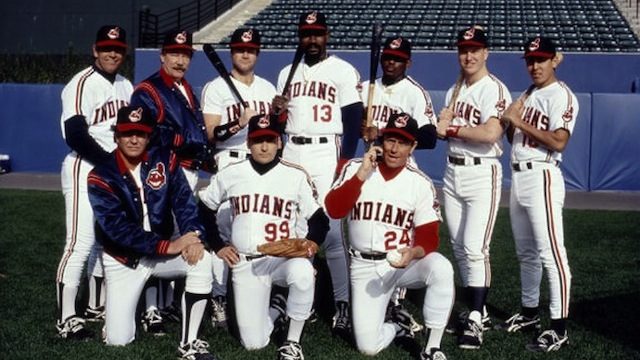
[(394, 256)]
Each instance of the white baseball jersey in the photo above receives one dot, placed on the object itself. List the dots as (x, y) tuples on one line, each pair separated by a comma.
[(218, 99), (475, 105), (550, 108), (97, 99), (316, 95), (262, 208), (384, 220), (405, 96)]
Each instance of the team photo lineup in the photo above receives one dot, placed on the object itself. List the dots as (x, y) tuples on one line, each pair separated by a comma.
[(284, 186)]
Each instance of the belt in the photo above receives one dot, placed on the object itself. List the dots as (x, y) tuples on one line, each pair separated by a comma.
[(463, 161), (367, 256), (528, 165), (239, 154), (301, 140), (251, 257)]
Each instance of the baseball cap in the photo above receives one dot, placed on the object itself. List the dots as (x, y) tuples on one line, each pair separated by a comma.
[(245, 38), (402, 124), (473, 36), (111, 36), (312, 21), (398, 47), (134, 118), (178, 40), (541, 47), (263, 125)]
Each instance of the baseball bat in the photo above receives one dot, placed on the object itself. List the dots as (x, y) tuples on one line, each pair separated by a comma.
[(376, 38), (215, 60), (294, 66)]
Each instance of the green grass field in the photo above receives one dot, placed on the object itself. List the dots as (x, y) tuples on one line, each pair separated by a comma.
[(604, 254)]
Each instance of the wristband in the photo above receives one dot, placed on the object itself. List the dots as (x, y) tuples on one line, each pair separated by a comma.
[(452, 131), (223, 132)]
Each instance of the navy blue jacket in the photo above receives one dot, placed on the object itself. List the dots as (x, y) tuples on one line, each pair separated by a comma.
[(180, 124), (117, 205)]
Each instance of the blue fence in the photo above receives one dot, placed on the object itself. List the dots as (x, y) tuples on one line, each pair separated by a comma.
[(600, 156)]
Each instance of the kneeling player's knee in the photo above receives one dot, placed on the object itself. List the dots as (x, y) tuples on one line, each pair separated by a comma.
[(301, 275), (441, 269)]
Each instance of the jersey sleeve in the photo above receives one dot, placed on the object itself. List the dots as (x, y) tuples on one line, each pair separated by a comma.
[(423, 109), (563, 110), (348, 85), (307, 196), (212, 99), (214, 194), (427, 205), (282, 77), (78, 99), (494, 102)]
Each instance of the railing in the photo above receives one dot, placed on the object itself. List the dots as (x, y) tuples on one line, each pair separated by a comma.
[(191, 17)]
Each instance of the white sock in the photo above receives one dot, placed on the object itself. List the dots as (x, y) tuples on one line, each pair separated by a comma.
[(434, 338), (295, 330)]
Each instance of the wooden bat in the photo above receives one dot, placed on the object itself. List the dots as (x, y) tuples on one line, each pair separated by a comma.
[(215, 60), (376, 38), (294, 66)]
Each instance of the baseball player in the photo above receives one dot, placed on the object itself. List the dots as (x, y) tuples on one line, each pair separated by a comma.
[(323, 115), (397, 92), (473, 177), (133, 195), (391, 208), (541, 122), (228, 129), (90, 102), (267, 197), (181, 126)]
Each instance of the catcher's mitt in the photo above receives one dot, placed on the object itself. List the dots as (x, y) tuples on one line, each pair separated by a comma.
[(289, 248)]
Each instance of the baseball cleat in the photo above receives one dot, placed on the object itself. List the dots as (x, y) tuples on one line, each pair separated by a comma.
[(219, 312), (471, 336), (433, 354), (73, 328), (152, 323), (455, 325), (172, 313), (94, 314), (402, 319), (548, 341), (522, 323), (290, 350), (195, 350), (341, 323)]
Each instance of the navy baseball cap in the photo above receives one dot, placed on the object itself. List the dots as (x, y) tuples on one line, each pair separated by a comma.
[(245, 38), (111, 36), (178, 40), (540, 47), (473, 36), (397, 47), (312, 21), (263, 125), (402, 124), (134, 119)]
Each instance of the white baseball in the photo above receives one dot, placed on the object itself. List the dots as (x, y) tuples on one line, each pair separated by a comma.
[(394, 257)]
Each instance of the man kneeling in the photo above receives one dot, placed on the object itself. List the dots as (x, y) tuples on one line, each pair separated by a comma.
[(133, 197), (267, 196), (393, 218)]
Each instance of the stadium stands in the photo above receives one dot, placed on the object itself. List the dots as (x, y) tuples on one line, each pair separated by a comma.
[(577, 25)]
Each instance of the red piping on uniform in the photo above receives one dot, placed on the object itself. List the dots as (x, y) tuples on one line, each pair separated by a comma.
[(488, 231), (564, 311), (80, 89), (74, 218)]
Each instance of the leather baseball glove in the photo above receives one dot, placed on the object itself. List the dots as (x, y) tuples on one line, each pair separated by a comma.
[(289, 248)]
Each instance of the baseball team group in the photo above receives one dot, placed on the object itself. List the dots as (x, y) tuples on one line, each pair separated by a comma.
[(157, 248)]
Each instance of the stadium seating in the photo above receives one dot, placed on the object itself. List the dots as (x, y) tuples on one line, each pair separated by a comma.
[(576, 25)]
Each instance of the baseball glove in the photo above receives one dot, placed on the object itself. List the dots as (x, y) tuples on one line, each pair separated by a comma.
[(289, 248)]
